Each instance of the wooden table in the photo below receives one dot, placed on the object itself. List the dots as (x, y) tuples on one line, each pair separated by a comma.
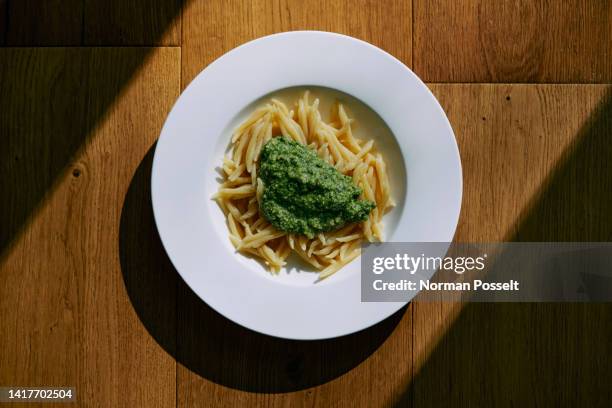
[(89, 299)]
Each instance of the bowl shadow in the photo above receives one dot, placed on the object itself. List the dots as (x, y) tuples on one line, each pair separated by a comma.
[(207, 343)]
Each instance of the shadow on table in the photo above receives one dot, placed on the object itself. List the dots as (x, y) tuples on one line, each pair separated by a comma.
[(537, 355), (209, 344)]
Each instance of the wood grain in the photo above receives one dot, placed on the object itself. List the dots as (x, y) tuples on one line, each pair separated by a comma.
[(31, 151), (3, 21), (41, 129), (513, 41), (511, 139), (43, 23), (212, 28), (533, 171), (512, 355), (92, 22), (66, 317), (132, 22)]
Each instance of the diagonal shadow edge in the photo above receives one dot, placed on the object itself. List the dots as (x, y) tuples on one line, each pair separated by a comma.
[(527, 364), (52, 102)]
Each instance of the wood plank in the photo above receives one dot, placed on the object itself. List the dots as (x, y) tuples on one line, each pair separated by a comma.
[(212, 28), (223, 364), (66, 315), (44, 23), (93, 22), (3, 20), (512, 355), (510, 41), (511, 137), (31, 150), (535, 169), (133, 22), (41, 130)]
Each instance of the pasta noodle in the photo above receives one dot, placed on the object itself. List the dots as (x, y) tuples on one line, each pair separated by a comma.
[(240, 192)]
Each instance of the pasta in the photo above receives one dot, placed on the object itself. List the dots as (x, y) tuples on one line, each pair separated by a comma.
[(240, 192)]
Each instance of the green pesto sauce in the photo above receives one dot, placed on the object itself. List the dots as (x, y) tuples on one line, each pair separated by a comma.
[(303, 194)]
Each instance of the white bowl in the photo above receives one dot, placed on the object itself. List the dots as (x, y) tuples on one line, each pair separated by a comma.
[(396, 109)]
